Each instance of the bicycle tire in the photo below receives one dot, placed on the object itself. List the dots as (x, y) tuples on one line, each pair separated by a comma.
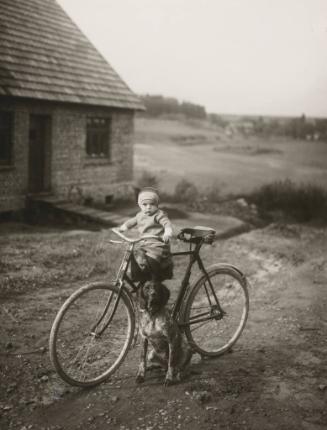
[(217, 334), (80, 353)]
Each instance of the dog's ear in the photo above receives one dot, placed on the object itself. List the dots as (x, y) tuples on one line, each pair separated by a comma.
[(141, 297), (165, 294)]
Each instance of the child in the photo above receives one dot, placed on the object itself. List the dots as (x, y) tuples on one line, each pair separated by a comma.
[(154, 254)]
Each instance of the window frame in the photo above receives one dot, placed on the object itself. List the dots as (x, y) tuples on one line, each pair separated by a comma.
[(98, 137), (7, 135)]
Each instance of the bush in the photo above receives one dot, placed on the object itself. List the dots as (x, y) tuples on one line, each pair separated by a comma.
[(147, 179), (186, 192), (213, 194), (303, 203)]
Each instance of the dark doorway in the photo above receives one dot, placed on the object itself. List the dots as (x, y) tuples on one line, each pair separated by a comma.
[(39, 153)]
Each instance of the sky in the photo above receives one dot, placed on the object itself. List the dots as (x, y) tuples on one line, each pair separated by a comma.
[(259, 57)]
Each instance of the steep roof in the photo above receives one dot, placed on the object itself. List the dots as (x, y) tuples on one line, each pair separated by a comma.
[(44, 55)]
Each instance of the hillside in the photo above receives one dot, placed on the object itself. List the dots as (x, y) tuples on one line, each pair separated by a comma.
[(208, 156)]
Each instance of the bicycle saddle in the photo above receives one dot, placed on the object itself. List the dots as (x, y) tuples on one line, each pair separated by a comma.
[(196, 234)]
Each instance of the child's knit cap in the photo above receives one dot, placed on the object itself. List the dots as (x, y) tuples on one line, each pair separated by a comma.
[(148, 194)]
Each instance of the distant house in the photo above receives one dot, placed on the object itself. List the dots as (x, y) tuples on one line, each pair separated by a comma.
[(66, 117)]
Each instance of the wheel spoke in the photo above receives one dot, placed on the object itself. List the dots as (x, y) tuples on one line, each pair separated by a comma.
[(199, 326), (79, 352), (81, 367)]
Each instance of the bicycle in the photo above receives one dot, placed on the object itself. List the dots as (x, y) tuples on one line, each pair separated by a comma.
[(96, 326)]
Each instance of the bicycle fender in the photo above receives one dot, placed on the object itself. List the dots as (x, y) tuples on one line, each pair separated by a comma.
[(222, 266), (231, 266)]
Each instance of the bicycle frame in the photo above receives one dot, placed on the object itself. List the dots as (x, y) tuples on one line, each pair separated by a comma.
[(194, 255)]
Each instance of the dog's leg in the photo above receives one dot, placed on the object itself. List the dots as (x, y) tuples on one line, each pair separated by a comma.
[(187, 354), (142, 366), (173, 358)]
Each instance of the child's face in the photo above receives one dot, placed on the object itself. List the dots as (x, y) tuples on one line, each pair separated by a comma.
[(148, 207)]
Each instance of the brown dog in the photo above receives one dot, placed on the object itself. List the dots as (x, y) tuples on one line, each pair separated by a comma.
[(170, 349)]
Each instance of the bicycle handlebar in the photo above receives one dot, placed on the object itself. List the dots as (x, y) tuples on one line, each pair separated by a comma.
[(128, 239)]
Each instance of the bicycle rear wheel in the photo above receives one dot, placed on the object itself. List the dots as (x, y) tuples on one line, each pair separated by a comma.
[(91, 334), (216, 310)]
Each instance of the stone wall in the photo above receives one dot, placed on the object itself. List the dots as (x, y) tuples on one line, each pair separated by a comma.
[(71, 172), (13, 178)]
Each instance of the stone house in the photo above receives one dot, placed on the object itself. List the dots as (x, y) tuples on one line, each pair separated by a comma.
[(66, 117)]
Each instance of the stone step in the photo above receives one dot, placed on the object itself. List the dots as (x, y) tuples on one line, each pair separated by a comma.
[(97, 215)]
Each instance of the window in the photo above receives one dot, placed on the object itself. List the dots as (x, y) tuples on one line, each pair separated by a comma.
[(97, 137), (6, 121)]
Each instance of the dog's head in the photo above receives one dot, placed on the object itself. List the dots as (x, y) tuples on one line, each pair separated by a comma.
[(153, 296)]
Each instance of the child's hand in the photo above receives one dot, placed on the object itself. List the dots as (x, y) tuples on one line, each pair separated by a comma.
[(168, 234), (122, 228)]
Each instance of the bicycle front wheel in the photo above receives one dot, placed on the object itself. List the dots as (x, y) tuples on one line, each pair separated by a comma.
[(91, 334), (216, 310)]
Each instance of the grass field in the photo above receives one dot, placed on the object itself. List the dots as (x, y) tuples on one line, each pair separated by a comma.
[(204, 155)]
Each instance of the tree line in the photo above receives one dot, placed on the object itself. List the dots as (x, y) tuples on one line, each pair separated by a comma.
[(158, 105), (296, 127)]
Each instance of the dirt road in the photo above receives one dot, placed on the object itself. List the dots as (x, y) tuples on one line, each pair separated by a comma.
[(275, 378)]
